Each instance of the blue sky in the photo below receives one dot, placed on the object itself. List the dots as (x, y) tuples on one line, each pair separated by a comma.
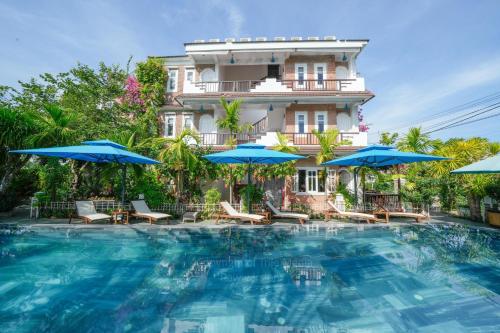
[(424, 56)]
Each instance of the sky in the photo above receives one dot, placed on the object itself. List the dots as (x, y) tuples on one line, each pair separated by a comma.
[(424, 57)]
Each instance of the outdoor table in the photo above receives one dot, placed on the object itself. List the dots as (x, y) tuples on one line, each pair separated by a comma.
[(121, 215)]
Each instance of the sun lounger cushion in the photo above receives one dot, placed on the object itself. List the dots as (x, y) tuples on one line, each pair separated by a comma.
[(233, 213), (140, 206), (86, 209), (156, 216), (98, 216), (351, 214), (279, 213), (142, 209)]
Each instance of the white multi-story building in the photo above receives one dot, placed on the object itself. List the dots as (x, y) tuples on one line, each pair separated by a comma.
[(291, 86)]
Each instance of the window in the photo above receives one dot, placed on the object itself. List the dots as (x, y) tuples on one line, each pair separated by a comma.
[(188, 121), (321, 120), (169, 125), (309, 181), (300, 122), (172, 80), (331, 181), (300, 74), (312, 180), (301, 181), (319, 73), (190, 75)]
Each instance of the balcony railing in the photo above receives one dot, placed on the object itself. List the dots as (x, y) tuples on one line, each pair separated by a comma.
[(220, 139), (306, 139), (298, 139), (227, 86), (294, 85), (318, 85)]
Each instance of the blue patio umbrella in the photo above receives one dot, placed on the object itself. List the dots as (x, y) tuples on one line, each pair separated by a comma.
[(100, 151), (489, 165), (250, 153), (377, 156)]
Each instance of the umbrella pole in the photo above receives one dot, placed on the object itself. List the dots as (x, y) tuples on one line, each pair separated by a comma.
[(356, 188), (248, 189), (124, 175)]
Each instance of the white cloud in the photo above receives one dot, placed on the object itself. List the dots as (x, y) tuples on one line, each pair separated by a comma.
[(235, 17)]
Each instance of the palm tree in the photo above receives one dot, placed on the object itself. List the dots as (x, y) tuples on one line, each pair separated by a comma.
[(461, 153), (416, 141), (283, 146), (328, 142), (283, 170), (231, 123), (178, 152), (388, 139), (57, 127), (16, 129)]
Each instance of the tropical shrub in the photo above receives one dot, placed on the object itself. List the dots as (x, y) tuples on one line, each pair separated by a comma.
[(211, 200), (256, 196), (348, 196), (152, 188)]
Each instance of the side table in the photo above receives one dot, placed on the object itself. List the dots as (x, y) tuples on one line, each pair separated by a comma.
[(120, 216)]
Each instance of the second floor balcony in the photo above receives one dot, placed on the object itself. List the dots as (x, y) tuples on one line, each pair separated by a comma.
[(270, 138)]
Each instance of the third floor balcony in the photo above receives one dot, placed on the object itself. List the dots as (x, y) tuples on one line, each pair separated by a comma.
[(274, 85)]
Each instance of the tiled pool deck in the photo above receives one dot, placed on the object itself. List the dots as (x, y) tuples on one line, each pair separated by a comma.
[(22, 219)]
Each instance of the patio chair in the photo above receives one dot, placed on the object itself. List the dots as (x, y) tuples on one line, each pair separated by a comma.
[(231, 213), (388, 213), (287, 215), (87, 212), (190, 216), (142, 211), (335, 211)]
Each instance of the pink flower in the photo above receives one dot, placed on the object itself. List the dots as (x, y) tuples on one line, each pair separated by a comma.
[(363, 127), (132, 94)]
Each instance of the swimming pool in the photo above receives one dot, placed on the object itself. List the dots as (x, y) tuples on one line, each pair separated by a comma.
[(384, 279)]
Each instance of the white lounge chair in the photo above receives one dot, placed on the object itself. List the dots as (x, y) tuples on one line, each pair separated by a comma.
[(350, 215), (142, 211), (86, 211), (231, 213), (387, 213), (287, 215)]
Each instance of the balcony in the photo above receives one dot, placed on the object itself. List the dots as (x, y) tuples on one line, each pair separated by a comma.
[(270, 139), (274, 85), (309, 139)]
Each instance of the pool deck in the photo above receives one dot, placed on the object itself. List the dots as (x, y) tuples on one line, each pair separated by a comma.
[(23, 220)]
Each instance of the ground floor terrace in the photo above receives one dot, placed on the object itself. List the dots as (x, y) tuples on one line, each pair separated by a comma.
[(309, 188)]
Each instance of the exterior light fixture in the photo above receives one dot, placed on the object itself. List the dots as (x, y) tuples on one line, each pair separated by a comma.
[(272, 58), (346, 107), (232, 61), (344, 57), (201, 108), (270, 108)]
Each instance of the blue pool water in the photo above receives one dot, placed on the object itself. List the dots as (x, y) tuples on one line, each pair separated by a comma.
[(408, 279)]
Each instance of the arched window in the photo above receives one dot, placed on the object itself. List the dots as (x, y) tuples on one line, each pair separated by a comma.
[(207, 75), (341, 72), (344, 121)]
